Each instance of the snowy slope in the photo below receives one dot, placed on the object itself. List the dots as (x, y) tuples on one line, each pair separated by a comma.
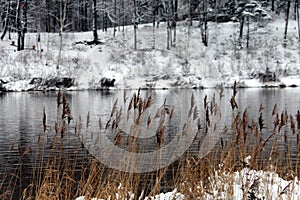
[(188, 65)]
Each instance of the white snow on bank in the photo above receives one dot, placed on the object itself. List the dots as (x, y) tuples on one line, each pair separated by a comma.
[(291, 81), (188, 65), (253, 184), (244, 184), (174, 195), (83, 198)]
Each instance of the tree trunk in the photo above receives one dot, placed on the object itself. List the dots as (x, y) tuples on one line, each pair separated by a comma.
[(48, 16), (205, 36), (287, 21), (63, 15), (189, 23), (85, 20), (135, 25), (241, 30), (115, 13), (38, 26), (55, 16), (105, 17), (175, 21), (203, 23), (9, 33), (158, 14), (248, 32), (24, 27), (153, 27), (273, 5), (295, 10), (79, 19), (168, 35), (19, 26), (95, 34), (298, 20), (123, 21), (119, 15), (168, 25)]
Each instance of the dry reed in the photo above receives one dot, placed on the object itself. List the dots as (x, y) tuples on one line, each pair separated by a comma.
[(65, 175)]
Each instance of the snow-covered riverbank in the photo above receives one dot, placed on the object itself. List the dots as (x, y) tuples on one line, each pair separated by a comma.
[(190, 64), (244, 184)]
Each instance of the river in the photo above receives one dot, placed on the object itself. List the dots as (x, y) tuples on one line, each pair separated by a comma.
[(21, 118)]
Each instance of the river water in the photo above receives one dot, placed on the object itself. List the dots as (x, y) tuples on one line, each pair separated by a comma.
[(21, 117)]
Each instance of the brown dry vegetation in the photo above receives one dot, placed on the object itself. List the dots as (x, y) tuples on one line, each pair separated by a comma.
[(65, 175)]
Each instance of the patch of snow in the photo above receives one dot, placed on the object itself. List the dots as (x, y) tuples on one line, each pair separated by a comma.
[(83, 198), (174, 195), (291, 81), (252, 184)]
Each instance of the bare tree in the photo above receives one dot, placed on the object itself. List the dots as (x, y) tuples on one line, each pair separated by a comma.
[(298, 20), (124, 17), (21, 17), (24, 27), (156, 7), (168, 16), (105, 16), (62, 20), (203, 18), (135, 24), (115, 15), (95, 15), (38, 19), (189, 22), (154, 13), (7, 19), (18, 17), (81, 14), (48, 16), (287, 21), (175, 19)]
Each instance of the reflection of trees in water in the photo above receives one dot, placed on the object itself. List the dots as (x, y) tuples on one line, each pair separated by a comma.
[(24, 108), (23, 130), (22, 159)]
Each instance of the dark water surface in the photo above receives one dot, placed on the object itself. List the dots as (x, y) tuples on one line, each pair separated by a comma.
[(21, 116)]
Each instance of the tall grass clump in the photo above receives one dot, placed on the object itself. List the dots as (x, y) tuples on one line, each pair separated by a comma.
[(67, 161)]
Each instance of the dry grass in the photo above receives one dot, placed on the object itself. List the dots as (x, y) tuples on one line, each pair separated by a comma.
[(66, 175)]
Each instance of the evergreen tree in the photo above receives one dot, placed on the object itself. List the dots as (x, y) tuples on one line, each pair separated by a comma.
[(246, 11)]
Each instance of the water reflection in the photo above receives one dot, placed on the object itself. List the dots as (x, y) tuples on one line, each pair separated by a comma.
[(21, 114)]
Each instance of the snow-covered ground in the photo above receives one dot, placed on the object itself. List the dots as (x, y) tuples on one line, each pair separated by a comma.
[(252, 184), (188, 65), (244, 184)]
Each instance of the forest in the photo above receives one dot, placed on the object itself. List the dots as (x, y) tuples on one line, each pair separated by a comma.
[(58, 16)]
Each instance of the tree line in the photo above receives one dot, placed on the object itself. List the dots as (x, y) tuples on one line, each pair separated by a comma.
[(58, 16)]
